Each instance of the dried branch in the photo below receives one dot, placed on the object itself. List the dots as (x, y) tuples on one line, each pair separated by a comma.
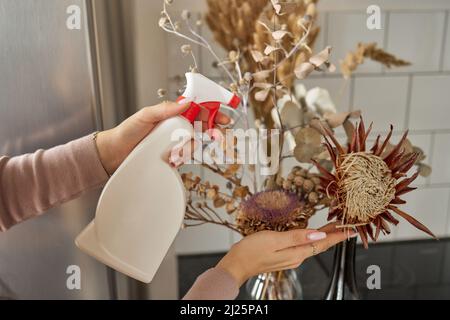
[(369, 50), (173, 29)]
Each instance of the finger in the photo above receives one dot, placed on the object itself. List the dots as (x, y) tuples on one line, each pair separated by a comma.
[(297, 237), (324, 245), (221, 118), (163, 111), (296, 255)]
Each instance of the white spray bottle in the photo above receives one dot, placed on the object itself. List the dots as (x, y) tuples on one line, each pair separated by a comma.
[(142, 207)]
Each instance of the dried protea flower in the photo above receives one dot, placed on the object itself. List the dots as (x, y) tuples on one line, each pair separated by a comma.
[(271, 210), (367, 185)]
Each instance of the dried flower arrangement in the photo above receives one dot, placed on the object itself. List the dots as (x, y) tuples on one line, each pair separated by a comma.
[(269, 44), (270, 49)]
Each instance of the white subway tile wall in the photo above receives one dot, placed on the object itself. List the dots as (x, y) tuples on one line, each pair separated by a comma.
[(441, 159), (415, 98), (346, 30), (446, 56), (429, 206), (417, 37), (382, 100), (430, 103)]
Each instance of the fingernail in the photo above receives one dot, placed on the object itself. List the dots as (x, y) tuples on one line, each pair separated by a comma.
[(176, 164), (353, 235), (316, 236), (185, 101)]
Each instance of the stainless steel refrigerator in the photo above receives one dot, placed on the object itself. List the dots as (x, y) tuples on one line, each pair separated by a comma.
[(58, 84)]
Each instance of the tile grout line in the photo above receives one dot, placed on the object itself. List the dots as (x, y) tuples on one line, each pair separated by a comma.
[(399, 11), (447, 229), (352, 93), (431, 156), (387, 24), (444, 41), (390, 74), (408, 101)]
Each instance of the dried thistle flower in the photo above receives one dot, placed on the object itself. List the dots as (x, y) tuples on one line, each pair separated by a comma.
[(366, 185), (369, 50), (271, 210)]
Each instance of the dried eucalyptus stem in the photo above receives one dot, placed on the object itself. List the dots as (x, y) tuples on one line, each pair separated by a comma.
[(173, 29), (201, 215)]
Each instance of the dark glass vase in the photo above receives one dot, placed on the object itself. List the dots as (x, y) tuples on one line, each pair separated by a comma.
[(343, 276)]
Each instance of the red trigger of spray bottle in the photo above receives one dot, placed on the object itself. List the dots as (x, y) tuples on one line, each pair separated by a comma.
[(206, 94)]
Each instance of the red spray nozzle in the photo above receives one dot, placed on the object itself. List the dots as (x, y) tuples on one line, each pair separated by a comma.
[(212, 106), (207, 94)]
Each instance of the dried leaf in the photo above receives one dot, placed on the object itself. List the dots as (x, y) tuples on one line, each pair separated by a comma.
[(308, 136), (276, 6), (291, 114), (279, 34), (241, 192), (261, 75), (262, 85), (304, 70), (211, 193), (338, 119), (407, 145), (321, 58), (270, 49), (425, 170), (233, 169), (262, 95), (230, 208), (219, 202), (421, 154), (162, 21), (349, 129), (304, 153), (257, 56)]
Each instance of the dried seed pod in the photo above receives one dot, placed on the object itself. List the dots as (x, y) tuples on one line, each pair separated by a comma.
[(299, 181), (313, 198), (287, 185), (308, 185)]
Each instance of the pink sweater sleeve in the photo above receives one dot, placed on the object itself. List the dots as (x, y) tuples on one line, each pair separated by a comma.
[(33, 183), (214, 284)]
